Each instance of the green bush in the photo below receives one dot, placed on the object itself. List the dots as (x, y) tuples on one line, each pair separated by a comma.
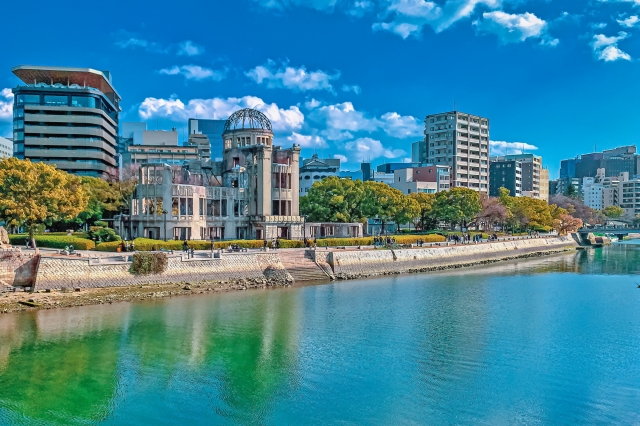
[(149, 263), (101, 233), (54, 241), (110, 246), (368, 241), (241, 243)]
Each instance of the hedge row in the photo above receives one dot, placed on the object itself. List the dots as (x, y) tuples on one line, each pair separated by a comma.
[(368, 241), (54, 241), (145, 244)]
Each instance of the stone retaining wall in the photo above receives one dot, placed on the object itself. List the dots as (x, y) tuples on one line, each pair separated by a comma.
[(351, 264), (17, 268), (57, 272)]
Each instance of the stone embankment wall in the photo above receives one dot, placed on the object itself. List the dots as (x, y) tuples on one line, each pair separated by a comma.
[(17, 268), (59, 273), (353, 264)]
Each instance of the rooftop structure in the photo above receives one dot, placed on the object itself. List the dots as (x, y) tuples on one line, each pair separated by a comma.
[(67, 117)]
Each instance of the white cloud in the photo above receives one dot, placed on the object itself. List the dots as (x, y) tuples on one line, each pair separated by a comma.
[(504, 148), (6, 105), (351, 7), (189, 48), (342, 158), (297, 79), (355, 89), (367, 148), (598, 25), (312, 104), (515, 28), (401, 127), (635, 2), (307, 141), (629, 22), (195, 72), (408, 17), (342, 120), (218, 108), (606, 48), (344, 117), (137, 43)]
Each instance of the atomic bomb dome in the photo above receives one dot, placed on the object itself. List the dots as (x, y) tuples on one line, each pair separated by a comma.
[(247, 119)]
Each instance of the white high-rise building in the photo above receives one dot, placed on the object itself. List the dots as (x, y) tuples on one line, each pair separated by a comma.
[(6, 148), (460, 141)]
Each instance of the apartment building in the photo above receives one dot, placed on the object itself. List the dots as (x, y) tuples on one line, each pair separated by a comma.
[(67, 117), (531, 166), (505, 174), (6, 148), (461, 141), (427, 179)]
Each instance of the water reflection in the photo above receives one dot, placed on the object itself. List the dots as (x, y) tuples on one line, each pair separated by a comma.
[(75, 366), (544, 340)]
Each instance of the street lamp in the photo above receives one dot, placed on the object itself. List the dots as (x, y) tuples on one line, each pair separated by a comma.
[(164, 213)]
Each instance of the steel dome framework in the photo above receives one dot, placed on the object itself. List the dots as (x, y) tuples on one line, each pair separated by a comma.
[(247, 119)]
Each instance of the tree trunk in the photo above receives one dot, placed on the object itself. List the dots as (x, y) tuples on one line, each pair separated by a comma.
[(32, 240)]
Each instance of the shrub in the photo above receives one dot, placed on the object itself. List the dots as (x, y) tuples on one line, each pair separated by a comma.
[(110, 246), (101, 233), (54, 241), (242, 243), (149, 263), (368, 241)]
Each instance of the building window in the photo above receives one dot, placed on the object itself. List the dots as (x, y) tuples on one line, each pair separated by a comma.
[(28, 100), (83, 101), (57, 100)]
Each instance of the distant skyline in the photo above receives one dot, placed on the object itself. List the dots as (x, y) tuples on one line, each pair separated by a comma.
[(354, 79)]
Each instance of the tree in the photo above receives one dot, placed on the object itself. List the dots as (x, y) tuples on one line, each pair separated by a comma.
[(457, 206), (531, 213), (566, 223), (613, 212), (32, 193), (123, 183), (334, 200), (576, 208), (492, 211), (386, 203), (425, 204)]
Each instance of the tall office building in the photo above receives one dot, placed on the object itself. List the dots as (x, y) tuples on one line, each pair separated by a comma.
[(212, 129), (67, 117), (623, 159), (460, 141)]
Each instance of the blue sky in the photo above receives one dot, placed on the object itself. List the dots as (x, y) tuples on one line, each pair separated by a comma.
[(355, 78)]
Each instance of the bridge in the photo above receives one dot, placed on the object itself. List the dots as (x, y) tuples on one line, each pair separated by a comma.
[(618, 231)]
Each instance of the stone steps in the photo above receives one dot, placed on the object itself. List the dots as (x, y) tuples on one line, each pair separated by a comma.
[(301, 267)]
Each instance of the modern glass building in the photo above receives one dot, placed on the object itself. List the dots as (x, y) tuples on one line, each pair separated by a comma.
[(67, 117), (212, 129)]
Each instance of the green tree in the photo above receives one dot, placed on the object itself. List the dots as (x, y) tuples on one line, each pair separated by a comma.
[(613, 212), (457, 206), (385, 203), (33, 193), (425, 204), (334, 200)]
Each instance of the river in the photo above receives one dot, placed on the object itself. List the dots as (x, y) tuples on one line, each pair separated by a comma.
[(552, 340)]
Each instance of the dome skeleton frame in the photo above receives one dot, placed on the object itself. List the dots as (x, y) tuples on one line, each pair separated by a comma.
[(247, 119)]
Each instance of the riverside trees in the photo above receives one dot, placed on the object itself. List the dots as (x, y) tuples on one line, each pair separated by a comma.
[(343, 200), (33, 193)]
